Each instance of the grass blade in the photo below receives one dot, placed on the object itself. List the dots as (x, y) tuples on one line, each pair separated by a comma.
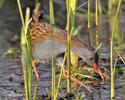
[(111, 52)]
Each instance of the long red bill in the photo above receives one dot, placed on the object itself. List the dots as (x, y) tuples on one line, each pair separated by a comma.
[(98, 70)]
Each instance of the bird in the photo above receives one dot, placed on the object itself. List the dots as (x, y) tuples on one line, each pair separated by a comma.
[(41, 33)]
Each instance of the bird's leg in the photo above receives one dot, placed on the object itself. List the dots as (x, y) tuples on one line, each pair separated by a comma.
[(34, 63)]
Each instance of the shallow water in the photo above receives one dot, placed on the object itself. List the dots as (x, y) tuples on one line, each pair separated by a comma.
[(10, 66)]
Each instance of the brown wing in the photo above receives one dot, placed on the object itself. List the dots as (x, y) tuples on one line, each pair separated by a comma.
[(41, 30)]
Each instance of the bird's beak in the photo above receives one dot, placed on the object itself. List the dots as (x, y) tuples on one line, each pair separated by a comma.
[(95, 65), (98, 70)]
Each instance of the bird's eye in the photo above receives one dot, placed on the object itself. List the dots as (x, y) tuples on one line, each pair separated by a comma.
[(40, 17), (91, 58)]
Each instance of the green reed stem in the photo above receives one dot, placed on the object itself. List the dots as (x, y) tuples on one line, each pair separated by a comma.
[(62, 67), (100, 7), (112, 6), (68, 57), (72, 14), (68, 45), (53, 71), (26, 21), (89, 25), (97, 25), (35, 91), (53, 67), (97, 37), (27, 17), (96, 12), (29, 66), (23, 46), (51, 12), (29, 55), (24, 53), (61, 72), (20, 10), (112, 11), (100, 11), (111, 52), (71, 6)]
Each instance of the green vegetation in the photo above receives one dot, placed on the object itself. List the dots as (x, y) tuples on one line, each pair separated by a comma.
[(111, 52), (28, 84), (53, 67), (71, 12), (1, 3)]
